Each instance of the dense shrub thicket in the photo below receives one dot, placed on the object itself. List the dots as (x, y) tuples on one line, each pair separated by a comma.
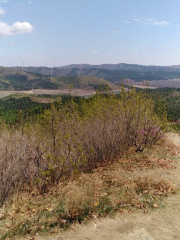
[(79, 136)]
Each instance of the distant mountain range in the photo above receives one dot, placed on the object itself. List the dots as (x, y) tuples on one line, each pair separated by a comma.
[(82, 76), (13, 78), (112, 72), (124, 66), (119, 66)]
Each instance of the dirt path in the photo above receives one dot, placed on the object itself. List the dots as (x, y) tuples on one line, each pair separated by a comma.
[(158, 224)]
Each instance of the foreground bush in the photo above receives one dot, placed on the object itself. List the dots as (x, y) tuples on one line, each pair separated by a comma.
[(67, 140)]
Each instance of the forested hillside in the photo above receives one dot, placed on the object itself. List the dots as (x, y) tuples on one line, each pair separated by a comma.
[(113, 72), (171, 99), (22, 106), (16, 79), (82, 78)]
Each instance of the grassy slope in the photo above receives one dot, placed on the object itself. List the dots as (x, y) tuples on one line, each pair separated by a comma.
[(5, 71), (15, 79), (83, 82)]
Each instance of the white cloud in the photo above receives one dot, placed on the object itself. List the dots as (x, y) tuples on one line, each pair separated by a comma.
[(163, 23), (16, 28), (137, 20), (4, 1), (150, 19), (136, 53), (115, 31), (147, 21), (2, 11), (30, 2), (95, 52), (11, 43)]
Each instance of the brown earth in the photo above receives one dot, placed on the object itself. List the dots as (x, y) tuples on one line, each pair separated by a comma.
[(73, 92), (171, 83)]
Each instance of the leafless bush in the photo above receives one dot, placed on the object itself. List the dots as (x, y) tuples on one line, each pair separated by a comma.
[(67, 140)]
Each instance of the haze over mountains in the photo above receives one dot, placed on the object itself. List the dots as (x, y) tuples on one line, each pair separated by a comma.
[(123, 66), (16, 78), (82, 76), (113, 72), (119, 66)]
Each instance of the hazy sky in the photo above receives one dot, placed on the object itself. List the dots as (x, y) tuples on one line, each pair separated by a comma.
[(61, 32)]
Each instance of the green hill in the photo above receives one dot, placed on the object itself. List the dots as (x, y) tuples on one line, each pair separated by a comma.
[(83, 82), (16, 79), (113, 72)]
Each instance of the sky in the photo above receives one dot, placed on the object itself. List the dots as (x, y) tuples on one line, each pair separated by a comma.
[(56, 33)]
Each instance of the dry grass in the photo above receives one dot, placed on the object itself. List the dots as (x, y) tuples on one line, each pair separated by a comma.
[(162, 155), (104, 191)]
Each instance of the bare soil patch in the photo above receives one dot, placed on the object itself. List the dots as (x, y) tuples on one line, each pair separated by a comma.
[(73, 92), (172, 83)]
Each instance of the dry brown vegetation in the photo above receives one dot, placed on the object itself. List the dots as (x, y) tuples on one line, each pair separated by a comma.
[(105, 190), (72, 163)]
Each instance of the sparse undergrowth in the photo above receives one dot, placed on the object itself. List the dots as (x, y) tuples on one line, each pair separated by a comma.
[(104, 191)]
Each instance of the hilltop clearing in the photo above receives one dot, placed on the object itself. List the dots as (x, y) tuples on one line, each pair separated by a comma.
[(158, 223)]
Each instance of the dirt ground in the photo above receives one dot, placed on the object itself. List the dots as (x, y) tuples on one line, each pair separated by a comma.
[(158, 83), (74, 92), (156, 224)]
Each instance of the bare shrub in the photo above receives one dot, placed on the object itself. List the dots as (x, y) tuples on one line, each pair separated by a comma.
[(104, 132), (14, 165), (75, 138)]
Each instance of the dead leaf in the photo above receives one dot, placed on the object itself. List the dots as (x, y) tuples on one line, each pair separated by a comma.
[(155, 205)]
